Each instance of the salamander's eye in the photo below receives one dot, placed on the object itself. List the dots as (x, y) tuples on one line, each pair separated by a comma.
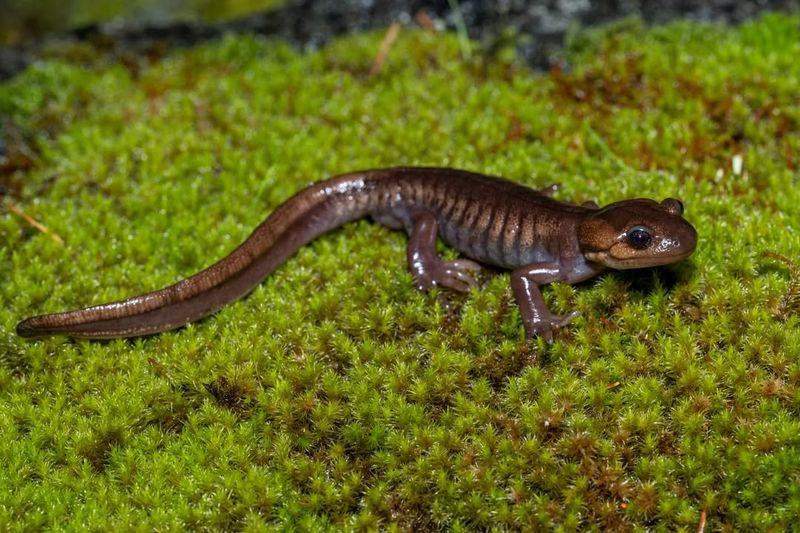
[(639, 237)]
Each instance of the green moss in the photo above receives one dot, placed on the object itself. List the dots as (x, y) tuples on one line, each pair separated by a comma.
[(337, 396)]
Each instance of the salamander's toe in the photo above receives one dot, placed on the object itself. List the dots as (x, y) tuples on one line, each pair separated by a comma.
[(457, 275), (546, 325)]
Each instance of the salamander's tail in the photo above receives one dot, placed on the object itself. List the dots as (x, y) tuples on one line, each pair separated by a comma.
[(313, 211)]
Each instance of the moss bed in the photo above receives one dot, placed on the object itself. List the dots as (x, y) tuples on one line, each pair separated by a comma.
[(337, 396)]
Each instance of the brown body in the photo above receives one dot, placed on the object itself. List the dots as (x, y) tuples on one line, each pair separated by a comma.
[(488, 219)]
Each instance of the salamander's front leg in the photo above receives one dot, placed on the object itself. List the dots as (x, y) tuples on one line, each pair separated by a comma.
[(428, 268), (536, 317)]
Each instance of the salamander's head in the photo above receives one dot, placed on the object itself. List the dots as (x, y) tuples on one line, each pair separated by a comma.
[(636, 234)]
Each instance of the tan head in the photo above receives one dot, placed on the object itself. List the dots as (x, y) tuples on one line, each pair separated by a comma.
[(636, 234)]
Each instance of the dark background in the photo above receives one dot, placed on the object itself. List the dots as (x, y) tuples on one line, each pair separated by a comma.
[(535, 28)]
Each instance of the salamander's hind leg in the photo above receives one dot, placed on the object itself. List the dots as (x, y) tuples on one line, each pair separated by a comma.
[(428, 268)]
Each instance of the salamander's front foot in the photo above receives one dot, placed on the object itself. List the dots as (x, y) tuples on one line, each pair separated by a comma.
[(458, 275), (543, 326), (536, 317)]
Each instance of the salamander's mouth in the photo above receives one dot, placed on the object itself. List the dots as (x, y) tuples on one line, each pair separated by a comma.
[(630, 263)]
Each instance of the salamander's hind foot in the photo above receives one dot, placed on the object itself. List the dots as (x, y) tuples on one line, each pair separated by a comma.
[(458, 275), (428, 268)]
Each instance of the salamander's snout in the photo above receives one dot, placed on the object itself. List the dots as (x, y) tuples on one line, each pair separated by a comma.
[(637, 233)]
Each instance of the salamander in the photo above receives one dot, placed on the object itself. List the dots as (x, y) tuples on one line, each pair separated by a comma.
[(487, 219)]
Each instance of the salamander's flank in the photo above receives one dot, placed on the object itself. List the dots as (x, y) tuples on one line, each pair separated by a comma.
[(490, 220)]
